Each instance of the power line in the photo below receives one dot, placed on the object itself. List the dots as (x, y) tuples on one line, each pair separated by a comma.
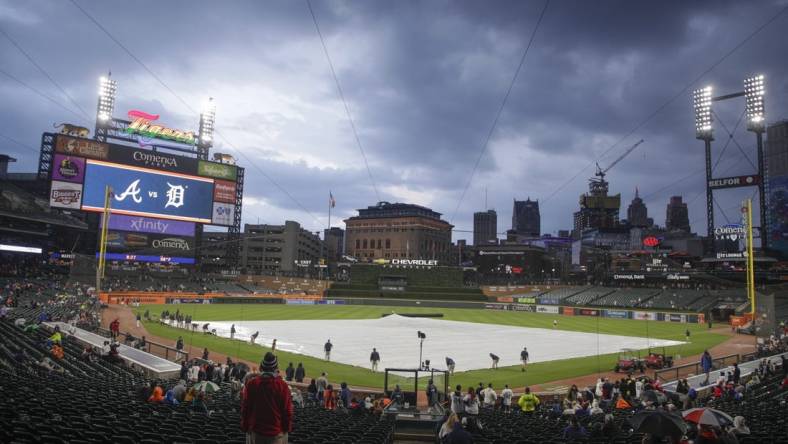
[(671, 100), (45, 73), (38, 92), (22, 144), (500, 110), (167, 87), (733, 138), (342, 96)]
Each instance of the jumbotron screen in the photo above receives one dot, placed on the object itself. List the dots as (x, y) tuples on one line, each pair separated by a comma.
[(144, 183)]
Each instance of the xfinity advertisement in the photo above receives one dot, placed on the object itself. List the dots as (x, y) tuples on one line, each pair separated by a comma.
[(138, 224), (145, 192)]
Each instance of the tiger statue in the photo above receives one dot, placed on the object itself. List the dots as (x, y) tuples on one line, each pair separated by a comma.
[(73, 130)]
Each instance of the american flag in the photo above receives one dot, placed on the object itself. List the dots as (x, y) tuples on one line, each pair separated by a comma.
[(331, 200)]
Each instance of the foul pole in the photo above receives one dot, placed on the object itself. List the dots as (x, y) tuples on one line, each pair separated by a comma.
[(750, 259), (103, 239)]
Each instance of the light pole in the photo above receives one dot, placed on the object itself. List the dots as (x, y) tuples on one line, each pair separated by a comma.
[(422, 337)]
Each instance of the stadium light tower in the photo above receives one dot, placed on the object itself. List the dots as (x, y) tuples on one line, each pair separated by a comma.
[(756, 122), (106, 103), (207, 120), (701, 101), (753, 96), (108, 89)]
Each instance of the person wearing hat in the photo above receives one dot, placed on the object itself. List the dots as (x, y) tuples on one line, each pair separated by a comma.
[(267, 408)]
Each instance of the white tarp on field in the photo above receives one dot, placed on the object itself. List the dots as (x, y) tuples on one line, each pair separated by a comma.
[(468, 343)]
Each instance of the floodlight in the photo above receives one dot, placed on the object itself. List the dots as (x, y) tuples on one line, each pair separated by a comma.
[(207, 119), (701, 101), (106, 105), (753, 96)]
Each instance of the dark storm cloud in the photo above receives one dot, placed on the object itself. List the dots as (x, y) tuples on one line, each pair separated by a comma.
[(423, 81)]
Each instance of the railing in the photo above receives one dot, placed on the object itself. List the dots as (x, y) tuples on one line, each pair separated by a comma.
[(154, 348), (683, 371)]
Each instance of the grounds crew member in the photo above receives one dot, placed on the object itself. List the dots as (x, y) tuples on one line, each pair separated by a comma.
[(524, 357), (495, 360), (450, 365), (528, 401), (374, 358), (327, 348)]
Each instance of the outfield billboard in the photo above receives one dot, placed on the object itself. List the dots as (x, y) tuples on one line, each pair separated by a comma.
[(146, 192), (148, 258), (149, 243), (138, 224)]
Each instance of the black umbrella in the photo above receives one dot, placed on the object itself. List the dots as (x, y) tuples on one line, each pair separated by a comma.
[(658, 423)]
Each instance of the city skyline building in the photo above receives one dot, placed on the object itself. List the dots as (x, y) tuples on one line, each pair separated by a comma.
[(526, 219), (637, 212), (485, 227), (677, 215)]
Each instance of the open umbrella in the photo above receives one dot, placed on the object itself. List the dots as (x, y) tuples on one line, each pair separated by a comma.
[(658, 423), (206, 386), (707, 416)]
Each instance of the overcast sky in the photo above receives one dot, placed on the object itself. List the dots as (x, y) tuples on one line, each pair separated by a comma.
[(423, 82)]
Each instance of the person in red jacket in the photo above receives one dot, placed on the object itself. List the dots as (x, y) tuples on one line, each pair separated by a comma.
[(114, 328), (266, 408)]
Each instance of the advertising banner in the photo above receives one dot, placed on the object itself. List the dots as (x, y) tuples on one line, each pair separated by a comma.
[(524, 307), (547, 309), (299, 302), (138, 224), (81, 147), (148, 258), (508, 299), (494, 306), (224, 191), (65, 195), (147, 243), (644, 315), (618, 314), (152, 159), (526, 300), (734, 182), (661, 316), (675, 317), (68, 168), (223, 213), (567, 311), (548, 301), (331, 302), (587, 312), (217, 170), (143, 192)]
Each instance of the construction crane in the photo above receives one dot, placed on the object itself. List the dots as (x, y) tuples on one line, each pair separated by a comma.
[(601, 173)]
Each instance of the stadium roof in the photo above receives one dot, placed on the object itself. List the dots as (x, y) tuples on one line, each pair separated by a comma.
[(17, 203)]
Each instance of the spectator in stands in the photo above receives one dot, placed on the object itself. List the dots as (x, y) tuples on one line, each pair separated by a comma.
[(682, 386), (450, 365), (170, 398), (740, 426), (57, 351), (574, 431), (253, 337), (344, 395), (184, 371), (194, 372), (178, 348), (300, 373), (457, 405), (397, 397), (489, 397), (139, 318), (114, 353), (524, 357), (322, 383), (471, 403), (327, 349), (205, 354), (432, 395), (142, 344), (114, 329), (312, 391), (157, 394), (506, 398), (289, 372), (448, 426), (609, 428), (267, 408), (329, 398), (479, 389), (706, 363), (56, 337), (179, 391), (374, 359), (495, 360), (528, 401), (736, 376)]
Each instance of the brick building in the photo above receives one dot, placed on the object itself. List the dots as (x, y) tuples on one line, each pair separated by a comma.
[(398, 230)]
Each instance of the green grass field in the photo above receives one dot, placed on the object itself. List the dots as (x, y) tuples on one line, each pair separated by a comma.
[(537, 373)]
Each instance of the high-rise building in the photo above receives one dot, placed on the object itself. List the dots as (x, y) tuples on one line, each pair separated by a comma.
[(637, 213), (485, 227), (777, 177), (334, 241), (677, 215), (526, 220), (398, 231), (274, 248)]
